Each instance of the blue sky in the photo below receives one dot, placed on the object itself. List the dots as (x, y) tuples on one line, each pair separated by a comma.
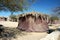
[(43, 6)]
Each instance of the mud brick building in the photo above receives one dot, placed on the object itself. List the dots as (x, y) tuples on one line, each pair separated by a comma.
[(33, 22), (3, 19)]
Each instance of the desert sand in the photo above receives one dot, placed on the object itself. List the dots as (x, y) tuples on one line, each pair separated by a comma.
[(30, 35)]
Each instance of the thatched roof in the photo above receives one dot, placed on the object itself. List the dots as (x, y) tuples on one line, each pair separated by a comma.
[(35, 14)]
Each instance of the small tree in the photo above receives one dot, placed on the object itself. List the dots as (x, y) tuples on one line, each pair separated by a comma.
[(13, 18), (53, 18), (14, 5)]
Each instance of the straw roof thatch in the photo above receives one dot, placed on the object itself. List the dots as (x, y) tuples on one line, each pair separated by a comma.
[(35, 14)]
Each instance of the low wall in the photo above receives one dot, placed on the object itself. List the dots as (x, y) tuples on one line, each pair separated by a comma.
[(9, 24)]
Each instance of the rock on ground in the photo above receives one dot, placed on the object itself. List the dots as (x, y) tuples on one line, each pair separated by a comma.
[(53, 36)]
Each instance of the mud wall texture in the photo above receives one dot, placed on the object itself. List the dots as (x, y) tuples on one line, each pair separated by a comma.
[(33, 23)]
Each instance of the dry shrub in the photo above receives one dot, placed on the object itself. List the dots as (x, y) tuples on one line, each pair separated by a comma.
[(9, 33)]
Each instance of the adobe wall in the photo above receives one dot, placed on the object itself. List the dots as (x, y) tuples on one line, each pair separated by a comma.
[(3, 19), (33, 23)]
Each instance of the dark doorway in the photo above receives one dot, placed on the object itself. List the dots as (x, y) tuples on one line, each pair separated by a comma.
[(5, 19)]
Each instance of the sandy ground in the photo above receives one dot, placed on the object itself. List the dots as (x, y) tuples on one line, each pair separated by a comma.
[(31, 36)]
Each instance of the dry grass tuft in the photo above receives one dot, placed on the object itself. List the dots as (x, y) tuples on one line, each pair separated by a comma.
[(9, 33)]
